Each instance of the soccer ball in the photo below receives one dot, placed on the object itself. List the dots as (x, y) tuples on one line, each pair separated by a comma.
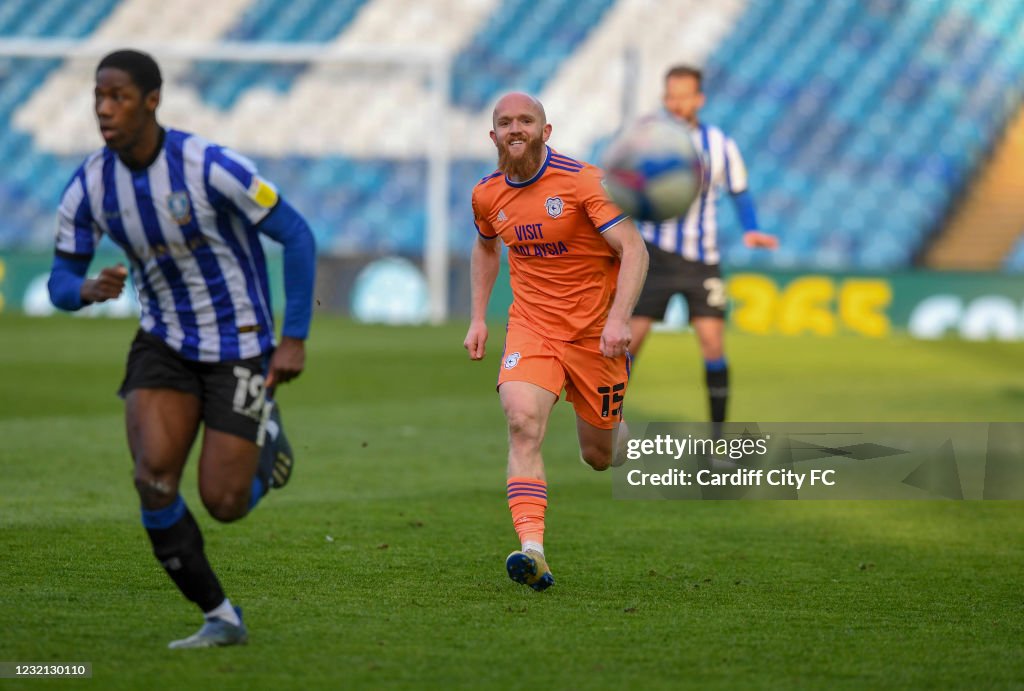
[(652, 170)]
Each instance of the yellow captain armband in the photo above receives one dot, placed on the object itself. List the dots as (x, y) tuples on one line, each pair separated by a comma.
[(263, 193)]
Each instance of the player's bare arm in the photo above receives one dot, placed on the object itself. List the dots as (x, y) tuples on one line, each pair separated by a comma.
[(628, 244), (485, 261), (108, 285), (288, 361)]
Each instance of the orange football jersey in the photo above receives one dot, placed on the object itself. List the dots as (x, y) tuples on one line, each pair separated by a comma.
[(563, 272)]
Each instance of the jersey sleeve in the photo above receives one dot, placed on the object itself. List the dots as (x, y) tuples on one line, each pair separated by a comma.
[(239, 186), (601, 211), (483, 226), (735, 168), (77, 233)]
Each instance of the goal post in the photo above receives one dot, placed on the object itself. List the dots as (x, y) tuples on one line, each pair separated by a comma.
[(366, 103)]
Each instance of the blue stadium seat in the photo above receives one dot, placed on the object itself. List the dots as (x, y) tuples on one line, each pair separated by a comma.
[(873, 95), (28, 191), (860, 121), (509, 52), (286, 21)]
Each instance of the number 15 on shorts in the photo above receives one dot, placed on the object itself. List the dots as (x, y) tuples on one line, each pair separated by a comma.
[(611, 395)]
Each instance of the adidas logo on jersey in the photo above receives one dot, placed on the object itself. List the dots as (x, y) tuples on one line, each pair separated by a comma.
[(501, 215)]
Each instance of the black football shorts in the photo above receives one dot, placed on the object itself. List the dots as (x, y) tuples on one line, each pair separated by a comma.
[(667, 274), (231, 392)]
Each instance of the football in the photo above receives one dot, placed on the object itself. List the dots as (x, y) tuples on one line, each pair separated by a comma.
[(652, 169)]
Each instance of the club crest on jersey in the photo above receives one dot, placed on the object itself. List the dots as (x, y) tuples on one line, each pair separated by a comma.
[(554, 206), (180, 207), (512, 360)]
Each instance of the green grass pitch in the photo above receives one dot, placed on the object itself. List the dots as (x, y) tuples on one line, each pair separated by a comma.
[(381, 564)]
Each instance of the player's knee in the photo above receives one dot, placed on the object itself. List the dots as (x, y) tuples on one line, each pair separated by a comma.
[(596, 456), (227, 506), (523, 428), (154, 490)]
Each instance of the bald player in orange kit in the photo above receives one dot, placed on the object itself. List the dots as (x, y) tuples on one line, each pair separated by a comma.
[(577, 265)]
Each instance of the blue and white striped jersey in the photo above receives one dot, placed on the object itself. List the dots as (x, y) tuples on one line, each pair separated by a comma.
[(695, 235), (187, 225)]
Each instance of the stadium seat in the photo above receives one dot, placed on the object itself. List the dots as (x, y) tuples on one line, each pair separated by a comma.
[(284, 21), (860, 122), (896, 103)]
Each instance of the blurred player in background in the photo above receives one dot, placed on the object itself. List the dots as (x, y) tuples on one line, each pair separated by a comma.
[(577, 265), (188, 215), (684, 251)]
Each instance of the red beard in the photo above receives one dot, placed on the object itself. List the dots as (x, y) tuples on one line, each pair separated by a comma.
[(525, 166)]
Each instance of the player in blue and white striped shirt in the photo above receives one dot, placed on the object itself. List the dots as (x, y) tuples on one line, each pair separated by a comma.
[(188, 215), (684, 254)]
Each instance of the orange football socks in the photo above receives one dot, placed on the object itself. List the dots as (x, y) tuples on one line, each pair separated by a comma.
[(527, 499)]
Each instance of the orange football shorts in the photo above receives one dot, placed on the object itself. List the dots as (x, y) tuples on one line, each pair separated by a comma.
[(593, 383)]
